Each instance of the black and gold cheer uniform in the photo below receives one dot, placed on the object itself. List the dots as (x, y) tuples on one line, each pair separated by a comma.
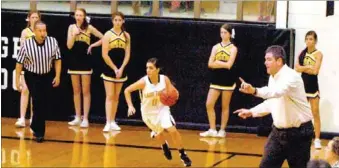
[(80, 61), (310, 80), (221, 78), (116, 52)]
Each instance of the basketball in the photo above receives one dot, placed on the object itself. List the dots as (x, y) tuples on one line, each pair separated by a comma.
[(169, 97)]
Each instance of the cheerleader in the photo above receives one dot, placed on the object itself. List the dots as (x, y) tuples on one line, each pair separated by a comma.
[(116, 48), (308, 64), (80, 68), (223, 80)]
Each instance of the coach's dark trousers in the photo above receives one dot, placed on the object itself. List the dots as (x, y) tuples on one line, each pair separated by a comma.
[(293, 144), (40, 87)]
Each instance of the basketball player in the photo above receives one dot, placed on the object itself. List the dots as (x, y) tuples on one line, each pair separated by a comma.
[(223, 80), (27, 33), (80, 69), (309, 63), (116, 49), (156, 115)]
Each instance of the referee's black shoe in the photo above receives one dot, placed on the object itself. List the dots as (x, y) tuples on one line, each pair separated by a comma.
[(38, 139)]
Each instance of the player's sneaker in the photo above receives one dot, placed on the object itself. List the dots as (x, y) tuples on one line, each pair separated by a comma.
[(167, 151), (187, 161)]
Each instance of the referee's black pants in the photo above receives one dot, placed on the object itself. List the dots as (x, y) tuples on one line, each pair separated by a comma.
[(40, 88), (293, 144)]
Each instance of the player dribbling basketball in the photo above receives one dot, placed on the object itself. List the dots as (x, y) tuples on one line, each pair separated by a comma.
[(156, 115)]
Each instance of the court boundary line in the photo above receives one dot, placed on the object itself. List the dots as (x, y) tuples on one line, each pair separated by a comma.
[(136, 146), (220, 161)]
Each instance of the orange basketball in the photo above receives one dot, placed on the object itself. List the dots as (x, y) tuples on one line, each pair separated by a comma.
[(169, 97)]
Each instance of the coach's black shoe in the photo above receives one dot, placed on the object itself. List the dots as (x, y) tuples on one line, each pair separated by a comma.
[(184, 158), (167, 151), (39, 139)]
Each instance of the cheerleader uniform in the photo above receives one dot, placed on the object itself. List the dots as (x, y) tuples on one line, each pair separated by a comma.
[(221, 78), (29, 32), (116, 46), (310, 81), (80, 61)]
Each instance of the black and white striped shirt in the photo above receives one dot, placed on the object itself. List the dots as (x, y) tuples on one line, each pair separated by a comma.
[(37, 58)]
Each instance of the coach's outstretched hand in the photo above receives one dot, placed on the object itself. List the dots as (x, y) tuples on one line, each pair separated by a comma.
[(243, 113), (131, 111), (246, 87)]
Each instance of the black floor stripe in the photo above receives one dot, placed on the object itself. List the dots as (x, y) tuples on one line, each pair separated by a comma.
[(137, 146), (217, 163)]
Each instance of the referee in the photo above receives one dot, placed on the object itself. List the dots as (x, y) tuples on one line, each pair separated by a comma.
[(36, 56)]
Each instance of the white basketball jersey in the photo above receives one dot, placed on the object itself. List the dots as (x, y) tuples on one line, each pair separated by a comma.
[(150, 96)]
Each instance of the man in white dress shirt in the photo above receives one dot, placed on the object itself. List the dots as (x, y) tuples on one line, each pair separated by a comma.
[(285, 99)]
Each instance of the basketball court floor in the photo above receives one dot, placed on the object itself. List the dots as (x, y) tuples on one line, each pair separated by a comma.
[(66, 146)]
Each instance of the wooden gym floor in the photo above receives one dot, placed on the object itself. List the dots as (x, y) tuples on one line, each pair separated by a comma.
[(66, 146)]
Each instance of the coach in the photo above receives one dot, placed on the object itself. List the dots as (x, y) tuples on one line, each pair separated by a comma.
[(292, 132)]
